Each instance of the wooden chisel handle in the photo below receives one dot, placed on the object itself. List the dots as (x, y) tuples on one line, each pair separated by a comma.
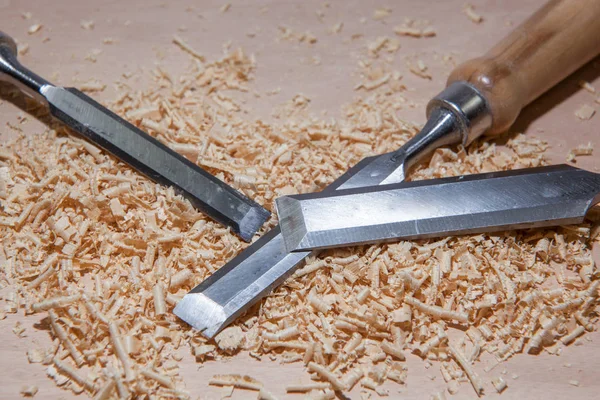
[(550, 45)]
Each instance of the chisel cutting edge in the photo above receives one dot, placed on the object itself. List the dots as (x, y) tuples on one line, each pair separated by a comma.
[(136, 148), (483, 95), (490, 202)]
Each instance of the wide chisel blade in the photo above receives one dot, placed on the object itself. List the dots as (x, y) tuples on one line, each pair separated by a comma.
[(490, 202)]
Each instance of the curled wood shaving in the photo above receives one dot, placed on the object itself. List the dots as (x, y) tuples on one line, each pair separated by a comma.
[(230, 339), (470, 12), (381, 13), (34, 29), (436, 311), (307, 387), (588, 87), (187, 48), (499, 384), (29, 390), (466, 366), (327, 375), (581, 150), (161, 379), (237, 381), (585, 112)]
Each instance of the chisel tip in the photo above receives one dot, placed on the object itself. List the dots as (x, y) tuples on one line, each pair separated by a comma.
[(291, 222), (201, 313), (252, 221)]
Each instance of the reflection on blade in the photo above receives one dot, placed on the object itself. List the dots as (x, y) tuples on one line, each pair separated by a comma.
[(489, 202)]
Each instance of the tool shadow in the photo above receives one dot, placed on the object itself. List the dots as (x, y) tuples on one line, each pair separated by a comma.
[(552, 99)]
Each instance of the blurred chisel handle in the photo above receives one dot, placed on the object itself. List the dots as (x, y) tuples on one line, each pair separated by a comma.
[(550, 45), (13, 72)]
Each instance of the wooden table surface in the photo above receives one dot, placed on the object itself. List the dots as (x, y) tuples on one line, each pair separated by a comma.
[(143, 32)]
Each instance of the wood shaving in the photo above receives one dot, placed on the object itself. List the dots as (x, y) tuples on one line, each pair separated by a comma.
[(327, 375), (588, 87), (236, 381), (92, 56), (337, 28), (187, 48), (92, 86), (302, 37), (499, 384), (307, 387), (34, 29), (419, 69), (574, 382), (106, 391), (29, 390), (471, 374), (415, 28), (469, 11), (585, 112), (381, 13), (88, 25), (581, 150), (453, 387), (22, 49), (383, 43), (230, 339), (161, 379)]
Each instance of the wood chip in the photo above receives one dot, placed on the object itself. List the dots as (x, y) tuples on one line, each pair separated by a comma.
[(34, 29), (29, 390), (587, 87), (469, 11), (381, 13), (88, 25), (186, 47), (581, 150), (499, 384), (585, 112), (237, 381), (230, 339)]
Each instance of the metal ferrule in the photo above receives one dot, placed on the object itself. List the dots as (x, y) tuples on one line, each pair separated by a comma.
[(468, 105)]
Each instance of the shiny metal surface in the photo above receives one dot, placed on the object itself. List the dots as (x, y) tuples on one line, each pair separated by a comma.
[(468, 106), (13, 72), (527, 198), (138, 149), (251, 275), (441, 129)]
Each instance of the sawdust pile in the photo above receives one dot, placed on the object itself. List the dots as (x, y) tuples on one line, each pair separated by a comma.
[(102, 254)]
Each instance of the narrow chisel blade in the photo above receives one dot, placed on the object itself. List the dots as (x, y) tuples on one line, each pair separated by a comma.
[(155, 160), (490, 202)]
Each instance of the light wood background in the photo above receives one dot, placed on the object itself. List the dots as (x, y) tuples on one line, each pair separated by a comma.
[(143, 30)]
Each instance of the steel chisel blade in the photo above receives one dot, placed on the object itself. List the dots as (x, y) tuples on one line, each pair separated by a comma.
[(155, 160), (535, 197)]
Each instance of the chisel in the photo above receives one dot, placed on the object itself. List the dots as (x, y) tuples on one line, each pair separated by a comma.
[(490, 202), (483, 95), (135, 147)]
